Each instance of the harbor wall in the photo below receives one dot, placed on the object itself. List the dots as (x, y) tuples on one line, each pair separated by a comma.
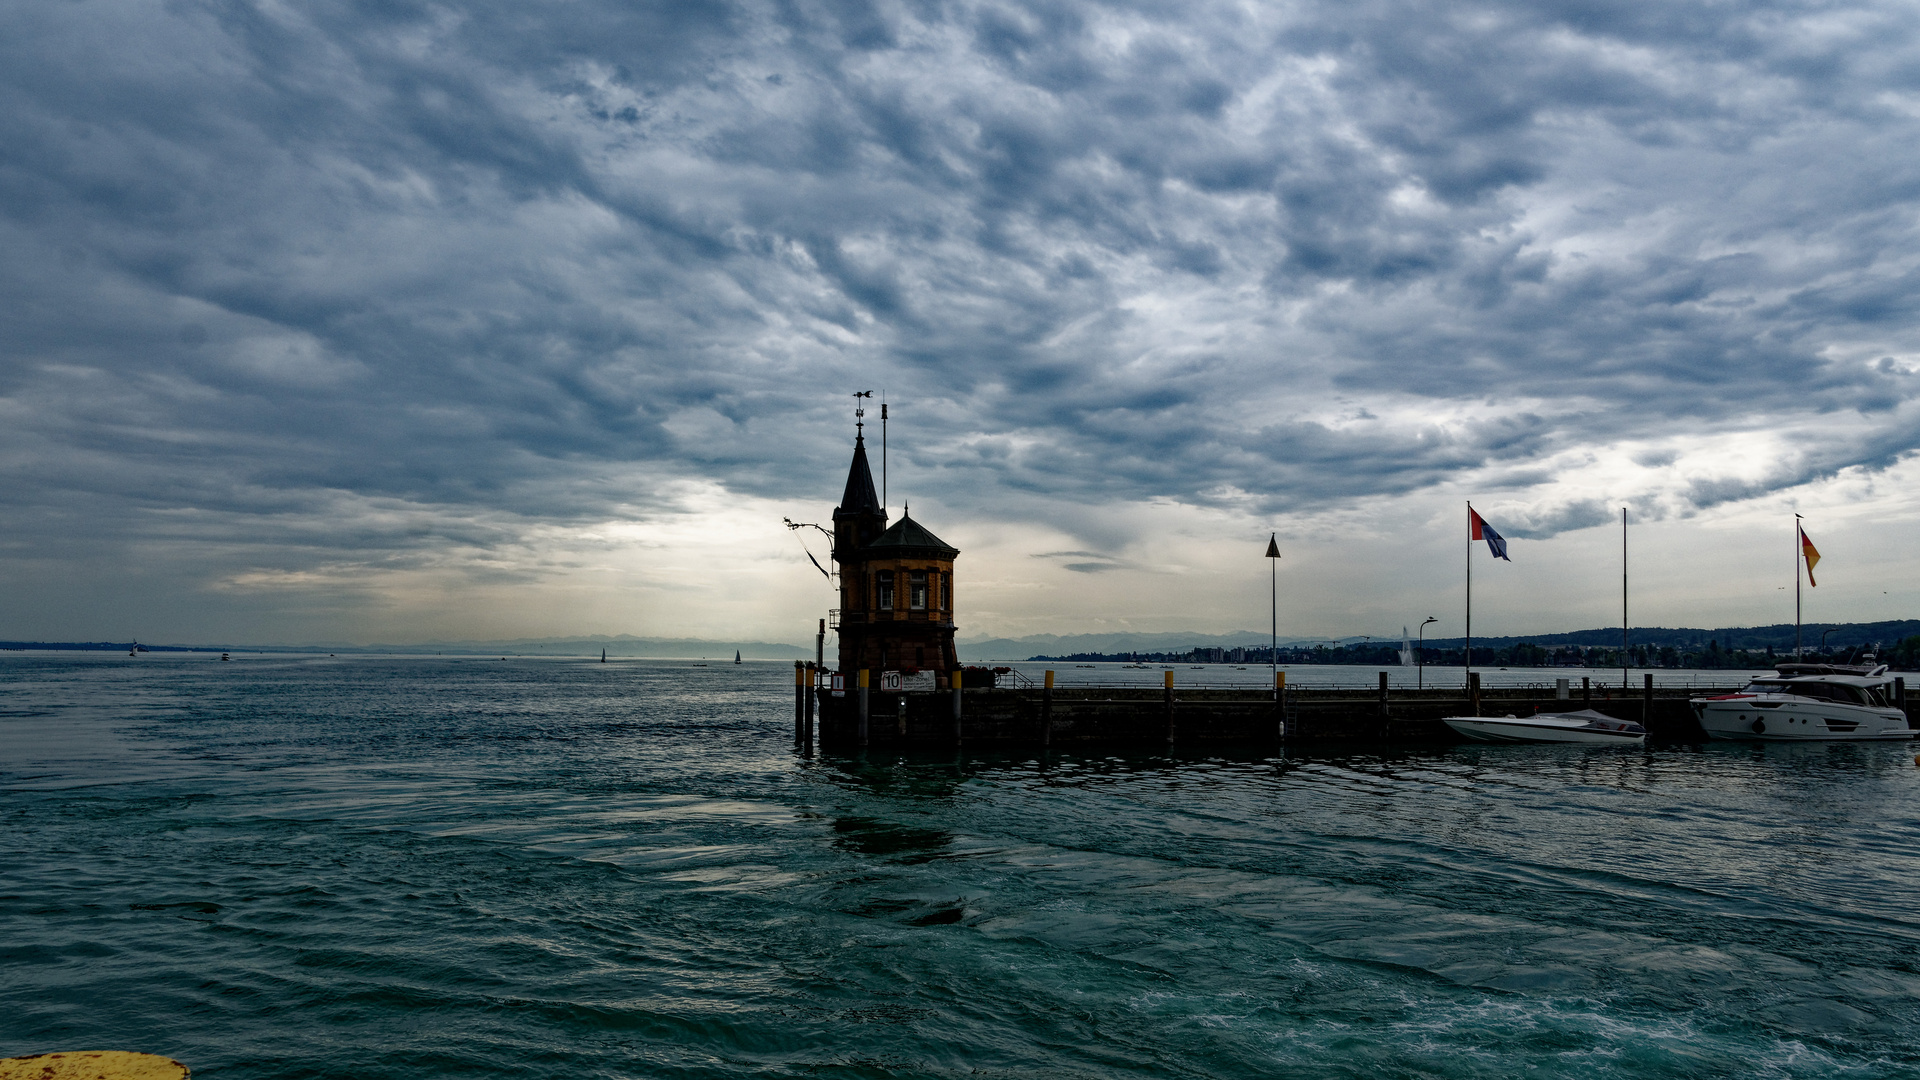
[(1134, 716)]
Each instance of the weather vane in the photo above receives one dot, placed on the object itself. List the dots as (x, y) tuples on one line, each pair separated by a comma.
[(859, 413)]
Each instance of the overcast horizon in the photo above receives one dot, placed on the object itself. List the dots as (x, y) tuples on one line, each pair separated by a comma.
[(399, 321)]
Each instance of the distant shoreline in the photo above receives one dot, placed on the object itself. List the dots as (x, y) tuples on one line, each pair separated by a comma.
[(1596, 648)]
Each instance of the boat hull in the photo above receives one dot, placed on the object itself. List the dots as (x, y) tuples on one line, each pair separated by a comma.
[(1786, 718), (1509, 729)]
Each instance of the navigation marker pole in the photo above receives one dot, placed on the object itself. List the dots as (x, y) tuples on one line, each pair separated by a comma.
[(1273, 574), (1623, 600)]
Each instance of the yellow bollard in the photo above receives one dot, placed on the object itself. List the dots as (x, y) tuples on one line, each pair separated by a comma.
[(1279, 680), (93, 1065), (1169, 680), (1049, 680)]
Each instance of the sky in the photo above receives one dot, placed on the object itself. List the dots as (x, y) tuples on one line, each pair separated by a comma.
[(392, 321)]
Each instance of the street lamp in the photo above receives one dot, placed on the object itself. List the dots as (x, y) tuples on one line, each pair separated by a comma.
[(1420, 673), (1823, 637)]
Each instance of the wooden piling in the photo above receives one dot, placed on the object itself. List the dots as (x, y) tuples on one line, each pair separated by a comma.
[(863, 706), (1586, 691), (1167, 704), (957, 682), (811, 693), (1280, 706), (799, 703), (806, 733), (1046, 712), (1646, 700)]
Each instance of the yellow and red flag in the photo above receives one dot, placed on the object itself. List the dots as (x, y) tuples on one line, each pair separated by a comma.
[(1808, 553)]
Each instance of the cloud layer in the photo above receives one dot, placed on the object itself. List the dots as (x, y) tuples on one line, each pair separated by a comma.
[(391, 287)]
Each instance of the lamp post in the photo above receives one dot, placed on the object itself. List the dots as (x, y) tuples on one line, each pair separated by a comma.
[(1823, 638), (1420, 658)]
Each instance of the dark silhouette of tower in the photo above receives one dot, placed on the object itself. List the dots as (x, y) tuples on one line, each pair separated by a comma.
[(896, 583)]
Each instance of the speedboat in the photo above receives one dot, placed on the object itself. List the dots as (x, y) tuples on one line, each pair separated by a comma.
[(1585, 726), (1808, 702)]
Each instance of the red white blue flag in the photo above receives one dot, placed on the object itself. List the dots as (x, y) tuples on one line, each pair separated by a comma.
[(1480, 530)]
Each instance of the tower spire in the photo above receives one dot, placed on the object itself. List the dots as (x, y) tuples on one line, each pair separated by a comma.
[(860, 516)]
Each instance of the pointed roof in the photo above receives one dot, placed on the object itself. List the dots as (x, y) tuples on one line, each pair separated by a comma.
[(909, 537), (859, 498)]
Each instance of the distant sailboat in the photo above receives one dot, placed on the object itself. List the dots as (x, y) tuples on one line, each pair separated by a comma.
[(603, 655), (736, 656)]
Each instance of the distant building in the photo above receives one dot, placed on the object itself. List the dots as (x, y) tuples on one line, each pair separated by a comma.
[(896, 584)]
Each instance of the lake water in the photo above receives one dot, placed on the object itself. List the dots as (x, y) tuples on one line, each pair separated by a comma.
[(373, 868)]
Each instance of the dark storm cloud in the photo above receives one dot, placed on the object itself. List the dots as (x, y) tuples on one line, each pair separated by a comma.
[(480, 257)]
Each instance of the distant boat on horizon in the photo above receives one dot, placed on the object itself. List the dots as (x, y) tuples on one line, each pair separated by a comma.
[(603, 655), (736, 656)]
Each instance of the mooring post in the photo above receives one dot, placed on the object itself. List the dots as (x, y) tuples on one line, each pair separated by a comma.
[(901, 707), (863, 706), (1473, 691), (812, 694), (799, 702), (1046, 712), (1280, 705), (1167, 703), (806, 732), (1383, 706), (1586, 691), (1646, 707), (957, 682)]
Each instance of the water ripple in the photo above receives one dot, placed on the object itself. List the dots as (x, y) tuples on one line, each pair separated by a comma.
[(408, 867)]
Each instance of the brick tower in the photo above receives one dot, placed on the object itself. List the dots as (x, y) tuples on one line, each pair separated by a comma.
[(896, 584)]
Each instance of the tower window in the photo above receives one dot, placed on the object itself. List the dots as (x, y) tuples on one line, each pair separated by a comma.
[(917, 590), (886, 590)]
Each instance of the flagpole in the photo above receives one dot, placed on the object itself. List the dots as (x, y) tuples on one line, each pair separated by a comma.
[(1623, 600), (1469, 593), (1798, 553)]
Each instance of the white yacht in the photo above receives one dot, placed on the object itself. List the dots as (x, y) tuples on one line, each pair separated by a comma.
[(1585, 726), (1806, 702)]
